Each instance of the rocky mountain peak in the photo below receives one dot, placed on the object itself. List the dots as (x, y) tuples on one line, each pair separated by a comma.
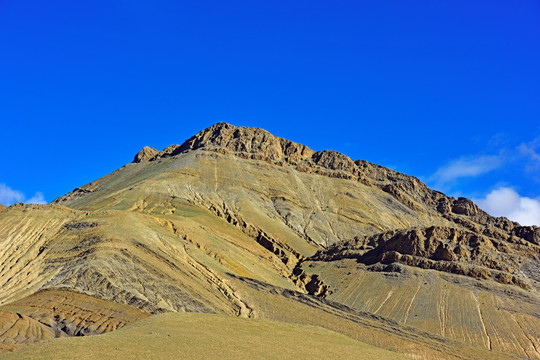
[(146, 153), (258, 144), (245, 142)]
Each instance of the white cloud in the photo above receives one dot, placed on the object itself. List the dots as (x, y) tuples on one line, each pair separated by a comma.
[(531, 150), (38, 198), (464, 167), (9, 196), (505, 201)]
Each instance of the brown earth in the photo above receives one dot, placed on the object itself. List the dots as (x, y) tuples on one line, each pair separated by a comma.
[(55, 313)]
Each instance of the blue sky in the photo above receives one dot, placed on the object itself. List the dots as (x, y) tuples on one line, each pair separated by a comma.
[(447, 91)]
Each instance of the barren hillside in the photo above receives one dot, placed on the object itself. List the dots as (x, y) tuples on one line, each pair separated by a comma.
[(239, 222)]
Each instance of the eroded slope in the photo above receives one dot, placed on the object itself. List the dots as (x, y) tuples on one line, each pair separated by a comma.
[(52, 314), (129, 257)]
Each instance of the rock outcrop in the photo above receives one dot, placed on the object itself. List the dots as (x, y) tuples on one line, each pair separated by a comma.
[(244, 142), (145, 154), (488, 255)]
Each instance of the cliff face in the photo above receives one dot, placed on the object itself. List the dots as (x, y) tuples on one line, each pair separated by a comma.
[(488, 255), (242, 141), (235, 219)]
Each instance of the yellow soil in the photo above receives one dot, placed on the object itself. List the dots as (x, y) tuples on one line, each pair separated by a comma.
[(204, 336)]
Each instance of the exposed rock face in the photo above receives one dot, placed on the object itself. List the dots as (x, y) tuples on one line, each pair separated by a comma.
[(529, 233), (242, 141), (145, 154), (496, 256), (333, 160), (465, 206)]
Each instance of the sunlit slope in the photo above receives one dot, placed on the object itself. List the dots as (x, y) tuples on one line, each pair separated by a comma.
[(296, 201), (290, 205), (320, 196), (128, 257), (202, 336), (18, 330), (25, 232), (274, 303), (187, 261), (480, 313)]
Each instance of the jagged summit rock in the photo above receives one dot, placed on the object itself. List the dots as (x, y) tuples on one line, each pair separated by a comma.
[(259, 144), (242, 141), (247, 140), (146, 153)]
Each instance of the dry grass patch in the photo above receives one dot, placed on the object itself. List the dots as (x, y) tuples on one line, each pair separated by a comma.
[(204, 336)]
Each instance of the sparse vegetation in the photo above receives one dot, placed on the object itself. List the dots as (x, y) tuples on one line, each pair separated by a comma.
[(203, 336)]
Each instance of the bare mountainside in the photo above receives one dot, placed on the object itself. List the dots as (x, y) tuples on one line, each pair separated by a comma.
[(239, 222)]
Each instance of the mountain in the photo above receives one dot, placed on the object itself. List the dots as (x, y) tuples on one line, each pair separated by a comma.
[(239, 222)]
